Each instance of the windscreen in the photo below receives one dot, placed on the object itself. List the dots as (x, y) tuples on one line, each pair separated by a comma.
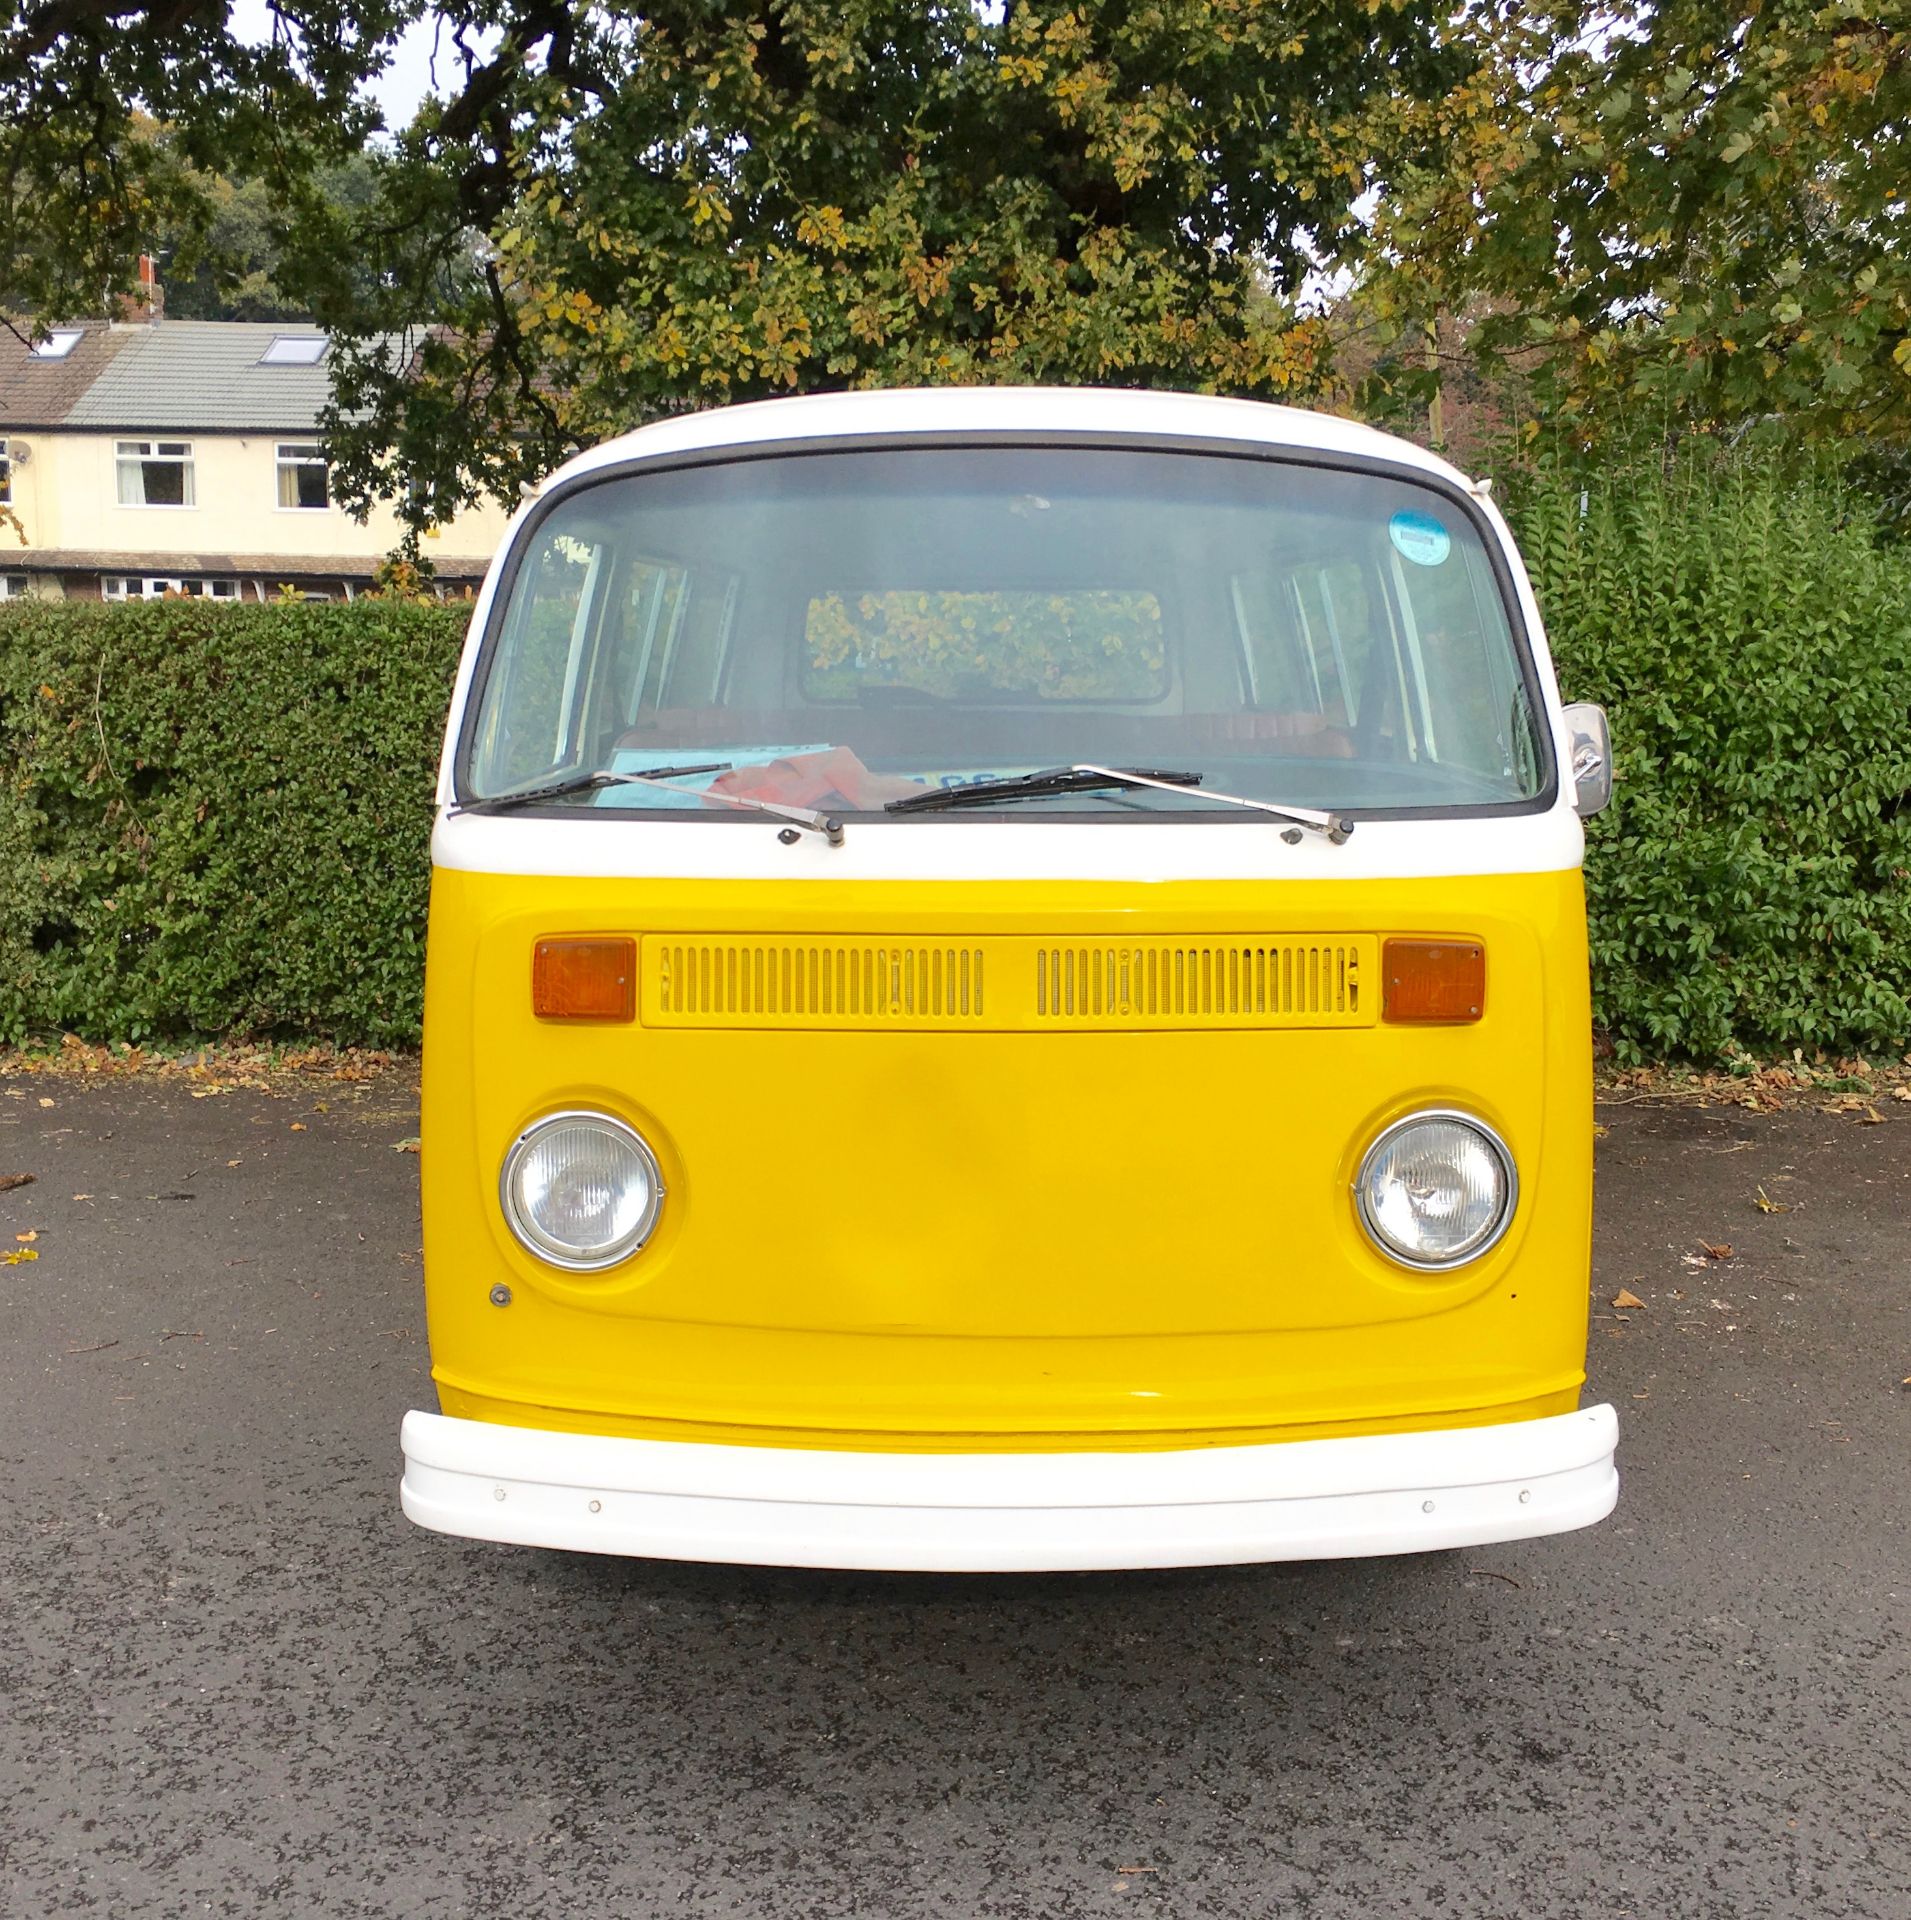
[(849, 628)]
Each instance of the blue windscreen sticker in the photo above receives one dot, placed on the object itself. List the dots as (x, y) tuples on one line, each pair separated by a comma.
[(1419, 537)]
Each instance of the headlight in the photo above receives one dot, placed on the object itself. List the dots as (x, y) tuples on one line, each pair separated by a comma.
[(1436, 1189), (581, 1190)]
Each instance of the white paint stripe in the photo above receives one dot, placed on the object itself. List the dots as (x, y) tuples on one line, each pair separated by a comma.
[(632, 846)]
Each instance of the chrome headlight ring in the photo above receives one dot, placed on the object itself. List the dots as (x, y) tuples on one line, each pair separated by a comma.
[(581, 1190), (1397, 1190)]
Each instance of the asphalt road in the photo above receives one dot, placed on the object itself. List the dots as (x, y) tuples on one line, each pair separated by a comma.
[(234, 1681)]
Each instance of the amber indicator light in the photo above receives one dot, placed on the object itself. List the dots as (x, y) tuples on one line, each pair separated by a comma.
[(584, 980), (1432, 983)]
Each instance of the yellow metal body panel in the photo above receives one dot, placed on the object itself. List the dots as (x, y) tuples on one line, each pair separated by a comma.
[(1018, 1232)]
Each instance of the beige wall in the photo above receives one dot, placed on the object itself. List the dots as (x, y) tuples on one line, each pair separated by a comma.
[(67, 496)]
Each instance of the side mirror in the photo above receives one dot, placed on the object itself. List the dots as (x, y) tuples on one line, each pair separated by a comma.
[(1590, 742)]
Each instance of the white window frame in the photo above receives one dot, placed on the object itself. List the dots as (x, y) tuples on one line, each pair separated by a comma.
[(6, 476), (15, 586), (137, 455), (122, 587), (291, 455), (59, 342)]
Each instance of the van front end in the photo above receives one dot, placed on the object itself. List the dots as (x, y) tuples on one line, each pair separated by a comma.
[(849, 1142)]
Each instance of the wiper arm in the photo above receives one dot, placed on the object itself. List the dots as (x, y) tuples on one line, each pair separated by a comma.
[(583, 783), (1030, 786), (1337, 827), (805, 817)]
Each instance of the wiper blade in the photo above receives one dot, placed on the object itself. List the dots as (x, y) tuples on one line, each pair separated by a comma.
[(1086, 777), (1337, 827), (661, 777), (1030, 786), (584, 783)]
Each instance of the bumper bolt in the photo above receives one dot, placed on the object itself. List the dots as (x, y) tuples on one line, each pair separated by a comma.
[(500, 1295)]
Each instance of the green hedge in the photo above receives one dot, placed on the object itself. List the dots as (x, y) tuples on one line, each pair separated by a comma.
[(1751, 638), (215, 818)]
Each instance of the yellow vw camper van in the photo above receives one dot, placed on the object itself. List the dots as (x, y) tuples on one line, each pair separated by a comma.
[(1007, 990)]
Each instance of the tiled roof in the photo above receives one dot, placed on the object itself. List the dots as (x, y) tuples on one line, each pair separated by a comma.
[(273, 566), (203, 376), (41, 393)]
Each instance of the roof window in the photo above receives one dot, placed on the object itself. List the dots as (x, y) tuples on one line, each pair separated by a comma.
[(294, 350), (60, 341)]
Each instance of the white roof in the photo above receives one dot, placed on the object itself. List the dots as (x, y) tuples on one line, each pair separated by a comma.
[(913, 410)]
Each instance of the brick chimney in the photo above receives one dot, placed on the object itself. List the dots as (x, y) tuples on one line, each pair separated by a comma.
[(146, 304)]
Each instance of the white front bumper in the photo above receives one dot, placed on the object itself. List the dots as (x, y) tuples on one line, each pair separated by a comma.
[(1011, 1512)]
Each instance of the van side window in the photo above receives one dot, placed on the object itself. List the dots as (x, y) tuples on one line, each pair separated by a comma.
[(1307, 640), (532, 716), (1337, 635), (1476, 708), (654, 603)]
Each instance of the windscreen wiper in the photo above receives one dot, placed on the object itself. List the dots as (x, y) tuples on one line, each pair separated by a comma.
[(808, 818), (1086, 777), (1337, 827), (583, 783), (661, 777), (1031, 786)]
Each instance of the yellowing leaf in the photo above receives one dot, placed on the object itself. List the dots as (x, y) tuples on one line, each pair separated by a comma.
[(1626, 1298)]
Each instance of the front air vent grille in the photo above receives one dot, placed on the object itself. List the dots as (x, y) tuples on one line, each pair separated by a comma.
[(1174, 984), (1009, 983), (777, 983)]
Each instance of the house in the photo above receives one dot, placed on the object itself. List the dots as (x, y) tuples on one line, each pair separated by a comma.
[(184, 456)]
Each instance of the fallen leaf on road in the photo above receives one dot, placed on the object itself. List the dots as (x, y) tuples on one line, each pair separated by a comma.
[(1723, 1251), (29, 1236), (82, 1196), (8, 1181), (1871, 1117), (1626, 1298), (298, 1126), (1766, 1204), (44, 1101), (17, 1257), (406, 1146)]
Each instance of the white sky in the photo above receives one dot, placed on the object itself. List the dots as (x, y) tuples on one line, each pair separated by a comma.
[(400, 88)]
